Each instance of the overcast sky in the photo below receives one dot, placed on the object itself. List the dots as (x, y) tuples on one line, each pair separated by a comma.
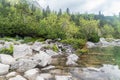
[(108, 7)]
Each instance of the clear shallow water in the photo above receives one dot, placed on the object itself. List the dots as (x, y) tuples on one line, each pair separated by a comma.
[(103, 55)]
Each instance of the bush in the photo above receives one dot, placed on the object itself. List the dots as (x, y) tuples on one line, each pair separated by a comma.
[(81, 51), (7, 50), (76, 43)]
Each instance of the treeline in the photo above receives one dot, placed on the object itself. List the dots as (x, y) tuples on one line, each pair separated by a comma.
[(23, 20)]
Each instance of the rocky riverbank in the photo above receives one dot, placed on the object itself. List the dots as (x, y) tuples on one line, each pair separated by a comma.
[(48, 60), (104, 43)]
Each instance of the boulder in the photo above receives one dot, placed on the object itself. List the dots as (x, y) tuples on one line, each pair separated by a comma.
[(46, 76), (18, 77), (4, 69), (36, 46), (8, 44), (6, 59), (31, 74), (51, 53), (71, 59), (22, 51), (43, 58), (90, 45), (11, 74), (63, 77), (23, 65), (39, 78)]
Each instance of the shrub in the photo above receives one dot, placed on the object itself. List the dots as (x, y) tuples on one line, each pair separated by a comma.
[(76, 43)]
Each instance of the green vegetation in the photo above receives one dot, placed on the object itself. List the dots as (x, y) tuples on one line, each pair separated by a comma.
[(55, 48), (29, 22), (7, 50)]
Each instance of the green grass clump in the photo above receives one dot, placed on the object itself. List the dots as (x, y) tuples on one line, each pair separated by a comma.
[(7, 50)]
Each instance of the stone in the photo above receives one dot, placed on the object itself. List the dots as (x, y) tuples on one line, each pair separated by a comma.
[(51, 53), (39, 78), (36, 46), (71, 59), (46, 76), (48, 67), (4, 69), (18, 77), (8, 44), (93, 69), (63, 77), (1, 46), (2, 41), (22, 51), (11, 74), (23, 65), (31, 74), (90, 45), (6, 59), (43, 58)]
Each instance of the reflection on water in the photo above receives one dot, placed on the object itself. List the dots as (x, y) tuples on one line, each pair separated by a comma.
[(101, 55)]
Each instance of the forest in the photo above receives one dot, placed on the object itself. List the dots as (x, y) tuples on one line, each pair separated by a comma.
[(24, 20)]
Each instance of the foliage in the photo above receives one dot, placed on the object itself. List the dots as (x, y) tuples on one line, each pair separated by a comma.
[(76, 43), (7, 50), (55, 48)]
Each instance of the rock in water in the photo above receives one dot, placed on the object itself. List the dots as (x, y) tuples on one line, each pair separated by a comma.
[(6, 59), (63, 77), (4, 69), (71, 59), (22, 51)]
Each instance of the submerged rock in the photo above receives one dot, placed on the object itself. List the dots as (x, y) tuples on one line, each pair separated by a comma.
[(63, 77)]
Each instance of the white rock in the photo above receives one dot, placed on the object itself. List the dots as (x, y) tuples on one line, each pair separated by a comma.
[(8, 44), (48, 67), (31, 74), (23, 65), (90, 45), (63, 77), (43, 58), (39, 78), (1, 46), (93, 69), (4, 69), (18, 77), (11, 74), (36, 46), (71, 59), (51, 53), (46, 76), (6, 59), (22, 51)]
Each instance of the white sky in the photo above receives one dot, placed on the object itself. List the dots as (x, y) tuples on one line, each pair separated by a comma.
[(107, 7)]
